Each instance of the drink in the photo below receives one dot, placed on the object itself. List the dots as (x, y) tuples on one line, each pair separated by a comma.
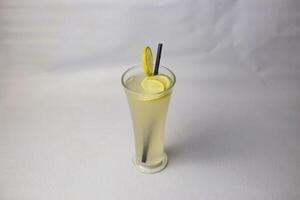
[(148, 94), (148, 111)]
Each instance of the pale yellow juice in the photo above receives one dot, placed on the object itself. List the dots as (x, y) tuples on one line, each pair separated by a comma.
[(148, 115)]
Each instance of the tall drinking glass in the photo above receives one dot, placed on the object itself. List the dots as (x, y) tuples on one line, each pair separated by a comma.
[(148, 113)]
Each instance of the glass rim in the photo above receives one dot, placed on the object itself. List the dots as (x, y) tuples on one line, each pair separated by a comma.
[(139, 93)]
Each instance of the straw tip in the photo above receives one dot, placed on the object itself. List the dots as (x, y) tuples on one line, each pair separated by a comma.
[(158, 55)]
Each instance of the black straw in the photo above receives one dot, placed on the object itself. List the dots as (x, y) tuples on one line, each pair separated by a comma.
[(147, 139), (145, 151), (158, 55)]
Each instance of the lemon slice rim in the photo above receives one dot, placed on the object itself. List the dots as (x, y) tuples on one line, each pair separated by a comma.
[(147, 61)]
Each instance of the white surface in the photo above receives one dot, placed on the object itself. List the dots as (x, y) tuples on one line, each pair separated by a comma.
[(233, 123)]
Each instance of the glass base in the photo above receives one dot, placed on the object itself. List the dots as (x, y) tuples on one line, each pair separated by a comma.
[(151, 169)]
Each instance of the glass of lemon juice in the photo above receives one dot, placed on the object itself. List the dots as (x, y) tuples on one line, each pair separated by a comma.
[(148, 97)]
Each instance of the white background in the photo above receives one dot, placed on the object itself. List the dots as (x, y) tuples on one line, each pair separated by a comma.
[(233, 129)]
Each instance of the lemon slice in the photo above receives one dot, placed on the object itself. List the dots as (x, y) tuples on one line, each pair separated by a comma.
[(147, 60), (164, 79), (152, 86)]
